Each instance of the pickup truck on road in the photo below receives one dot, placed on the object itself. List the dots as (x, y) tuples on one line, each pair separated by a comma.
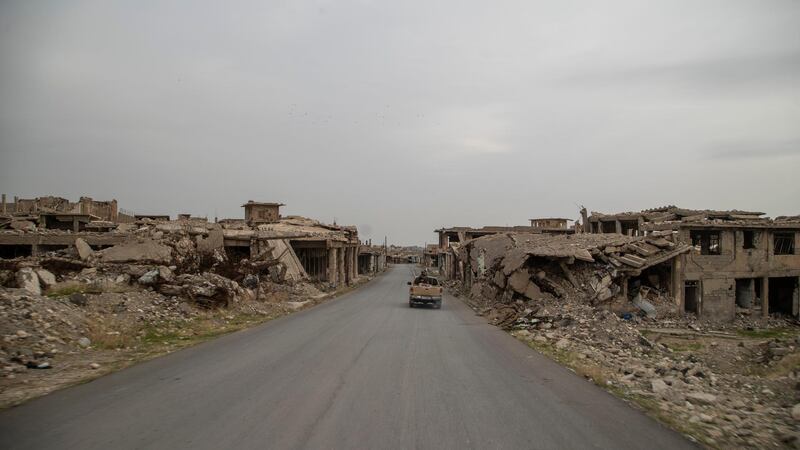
[(425, 290)]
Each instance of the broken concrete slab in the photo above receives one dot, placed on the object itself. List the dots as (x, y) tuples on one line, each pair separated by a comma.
[(645, 306), (27, 280), (499, 279), (84, 250), (22, 225), (701, 398), (144, 251), (214, 241), (160, 274), (280, 259), (46, 278), (519, 280), (631, 260)]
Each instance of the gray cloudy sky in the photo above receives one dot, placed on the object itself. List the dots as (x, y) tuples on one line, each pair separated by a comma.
[(403, 116)]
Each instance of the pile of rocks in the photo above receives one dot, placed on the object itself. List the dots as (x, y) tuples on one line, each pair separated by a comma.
[(78, 308), (720, 383)]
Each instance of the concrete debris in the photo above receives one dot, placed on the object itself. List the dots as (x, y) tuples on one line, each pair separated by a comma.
[(719, 379), (149, 278), (23, 225), (658, 386), (739, 261), (46, 278), (701, 398), (83, 249), (85, 283), (28, 281), (278, 255), (208, 289), (143, 251), (611, 306), (600, 269), (159, 275), (645, 306), (215, 242)]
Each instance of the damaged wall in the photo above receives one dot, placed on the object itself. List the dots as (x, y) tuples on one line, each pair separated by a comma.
[(621, 271)]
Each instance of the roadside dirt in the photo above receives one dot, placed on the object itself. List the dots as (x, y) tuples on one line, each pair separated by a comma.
[(733, 385), (75, 334)]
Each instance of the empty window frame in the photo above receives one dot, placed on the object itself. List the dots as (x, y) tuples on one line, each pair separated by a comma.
[(630, 227), (707, 240), (783, 243), (749, 239)]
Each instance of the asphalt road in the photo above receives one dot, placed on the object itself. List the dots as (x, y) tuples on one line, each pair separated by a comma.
[(363, 371)]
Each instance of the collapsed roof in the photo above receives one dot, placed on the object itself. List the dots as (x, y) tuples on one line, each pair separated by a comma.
[(625, 253), (671, 217)]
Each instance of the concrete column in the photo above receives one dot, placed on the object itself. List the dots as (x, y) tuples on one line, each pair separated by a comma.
[(618, 226), (677, 281), (587, 227), (332, 269), (342, 265), (354, 266), (765, 296)]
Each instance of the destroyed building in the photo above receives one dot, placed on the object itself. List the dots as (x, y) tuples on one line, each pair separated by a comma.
[(451, 238), (430, 256), (371, 259), (739, 260), (552, 225), (153, 217), (404, 255), (328, 253), (621, 272), (287, 249), (102, 210)]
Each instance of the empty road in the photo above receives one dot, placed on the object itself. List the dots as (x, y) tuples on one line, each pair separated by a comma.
[(362, 371)]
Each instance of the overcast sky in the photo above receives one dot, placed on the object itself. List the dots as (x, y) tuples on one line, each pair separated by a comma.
[(401, 117)]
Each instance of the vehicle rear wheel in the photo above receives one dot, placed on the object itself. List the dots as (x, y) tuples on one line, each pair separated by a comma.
[(438, 305), (410, 304)]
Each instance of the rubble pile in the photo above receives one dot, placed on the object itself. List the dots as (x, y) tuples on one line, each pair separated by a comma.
[(509, 271), (596, 303), (68, 313), (716, 383)]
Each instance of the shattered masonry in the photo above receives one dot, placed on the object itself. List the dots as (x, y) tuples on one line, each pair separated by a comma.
[(85, 286), (710, 263), (285, 249)]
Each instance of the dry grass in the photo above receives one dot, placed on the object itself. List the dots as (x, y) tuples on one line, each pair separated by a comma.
[(770, 333), (112, 334), (782, 368), (683, 346)]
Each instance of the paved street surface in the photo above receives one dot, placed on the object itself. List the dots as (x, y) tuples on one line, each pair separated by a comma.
[(364, 371)]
